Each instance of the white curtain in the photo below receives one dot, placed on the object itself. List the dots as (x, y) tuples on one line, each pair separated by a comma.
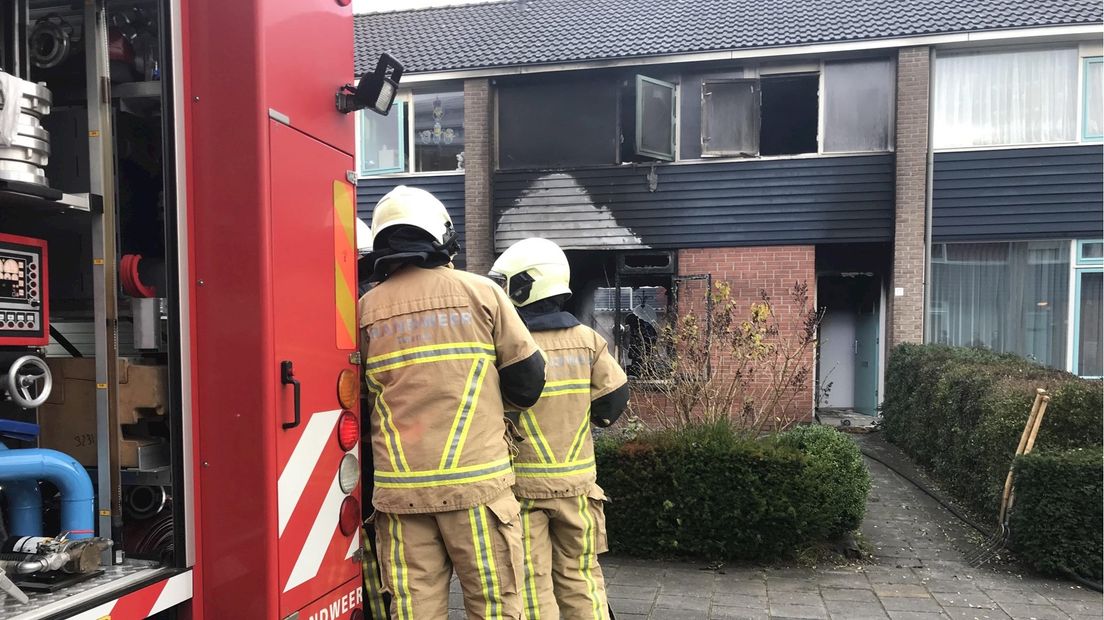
[(1008, 297), (997, 98)]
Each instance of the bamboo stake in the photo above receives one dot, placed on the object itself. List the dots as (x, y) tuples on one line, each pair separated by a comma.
[(1028, 427)]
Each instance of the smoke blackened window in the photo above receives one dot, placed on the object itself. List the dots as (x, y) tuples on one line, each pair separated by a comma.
[(788, 114)]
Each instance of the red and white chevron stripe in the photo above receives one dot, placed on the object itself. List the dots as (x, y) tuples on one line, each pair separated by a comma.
[(144, 603), (309, 503)]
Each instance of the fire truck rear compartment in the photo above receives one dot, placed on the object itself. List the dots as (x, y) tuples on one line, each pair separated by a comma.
[(93, 179)]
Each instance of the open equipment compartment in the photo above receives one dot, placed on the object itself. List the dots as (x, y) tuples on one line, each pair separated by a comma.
[(90, 358)]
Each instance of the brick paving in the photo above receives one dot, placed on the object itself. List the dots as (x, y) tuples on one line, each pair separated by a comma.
[(917, 573)]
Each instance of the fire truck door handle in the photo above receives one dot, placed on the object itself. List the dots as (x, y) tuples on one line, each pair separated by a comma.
[(287, 377)]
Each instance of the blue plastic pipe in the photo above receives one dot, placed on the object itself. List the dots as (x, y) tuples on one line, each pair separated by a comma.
[(69, 476), (24, 506)]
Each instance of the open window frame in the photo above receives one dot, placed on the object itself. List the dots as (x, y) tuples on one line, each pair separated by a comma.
[(643, 84), (744, 87)]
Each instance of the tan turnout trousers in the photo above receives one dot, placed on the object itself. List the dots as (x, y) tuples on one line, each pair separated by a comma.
[(433, 342), (483, 545), (562, 516), (563, 537)]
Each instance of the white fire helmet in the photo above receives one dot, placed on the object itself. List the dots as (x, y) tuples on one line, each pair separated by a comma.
[(531, 270)]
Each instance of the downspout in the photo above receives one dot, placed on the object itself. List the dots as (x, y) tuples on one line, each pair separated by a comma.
[(929, 199), (71, 479), (24, 506)]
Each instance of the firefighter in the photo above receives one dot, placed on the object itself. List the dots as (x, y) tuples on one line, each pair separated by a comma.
[(562, 516), (444, 352), (376, 601)]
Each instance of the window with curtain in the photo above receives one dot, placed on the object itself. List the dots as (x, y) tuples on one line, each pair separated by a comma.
[(1007, 297), (859, 106), (380, 147), (1003, 98)]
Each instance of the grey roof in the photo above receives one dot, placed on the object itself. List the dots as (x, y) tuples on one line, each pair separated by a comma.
[(525, 32)]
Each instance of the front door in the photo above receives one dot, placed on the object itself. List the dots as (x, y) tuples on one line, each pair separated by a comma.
[(867, 326)]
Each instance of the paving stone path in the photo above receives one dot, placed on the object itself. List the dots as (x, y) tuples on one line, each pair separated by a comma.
[(917, 573)]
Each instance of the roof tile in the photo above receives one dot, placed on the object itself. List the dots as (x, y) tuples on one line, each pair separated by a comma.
[(518, 32)]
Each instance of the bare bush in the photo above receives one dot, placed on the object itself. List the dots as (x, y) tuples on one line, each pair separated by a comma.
[(717, 359)]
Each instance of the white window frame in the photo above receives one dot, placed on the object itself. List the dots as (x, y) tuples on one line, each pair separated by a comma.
[(358, 125), (1082, 96), (407, 97), (1078, 266), (998, 49)]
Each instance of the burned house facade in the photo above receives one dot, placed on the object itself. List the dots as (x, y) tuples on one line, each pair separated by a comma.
[(931, 173)]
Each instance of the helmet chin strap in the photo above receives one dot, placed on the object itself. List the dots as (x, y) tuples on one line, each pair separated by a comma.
[(450, 241)]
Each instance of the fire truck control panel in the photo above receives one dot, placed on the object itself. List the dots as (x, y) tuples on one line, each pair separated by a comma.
[(24, 314)]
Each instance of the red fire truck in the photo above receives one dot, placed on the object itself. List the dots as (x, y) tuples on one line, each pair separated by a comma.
[(178, 368)]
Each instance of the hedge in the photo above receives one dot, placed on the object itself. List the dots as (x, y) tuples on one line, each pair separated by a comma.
[(1057, 515), (706, 491), (960, 412)]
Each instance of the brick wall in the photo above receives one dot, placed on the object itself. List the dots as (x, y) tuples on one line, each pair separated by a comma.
[(478, 166), (748, 271), (906, 313)]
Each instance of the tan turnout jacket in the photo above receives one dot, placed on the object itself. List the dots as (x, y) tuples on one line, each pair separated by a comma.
[(557, 457), (432, 342)]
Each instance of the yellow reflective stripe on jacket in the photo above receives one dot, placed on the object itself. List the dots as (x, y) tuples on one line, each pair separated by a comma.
[(387, 427), (429, 353), (459, 431), (553, 470), (580, 438), (533, 432), (441, 477), (563, 388)]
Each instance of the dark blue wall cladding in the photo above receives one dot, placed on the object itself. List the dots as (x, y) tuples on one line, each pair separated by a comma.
[(1031, 193), (845, 199), (449, 189)]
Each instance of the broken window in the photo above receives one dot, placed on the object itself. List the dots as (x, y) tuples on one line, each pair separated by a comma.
[(858, 106), (585, 122), (788, 111), (774, 115)]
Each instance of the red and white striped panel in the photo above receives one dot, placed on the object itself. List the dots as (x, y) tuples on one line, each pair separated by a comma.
[(309, 502), (144, 603)]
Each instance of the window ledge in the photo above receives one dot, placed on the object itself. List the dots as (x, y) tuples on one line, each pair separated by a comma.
[(393, 175), (1013, 147)]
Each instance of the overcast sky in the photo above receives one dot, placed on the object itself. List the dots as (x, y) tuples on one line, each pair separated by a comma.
[(369, 6)]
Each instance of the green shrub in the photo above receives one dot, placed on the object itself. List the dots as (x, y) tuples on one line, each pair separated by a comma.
[(835, 478), (1057, 514), (706, 491), (960, 413)]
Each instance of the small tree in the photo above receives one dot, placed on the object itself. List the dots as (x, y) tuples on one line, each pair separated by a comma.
[(717, 363)]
